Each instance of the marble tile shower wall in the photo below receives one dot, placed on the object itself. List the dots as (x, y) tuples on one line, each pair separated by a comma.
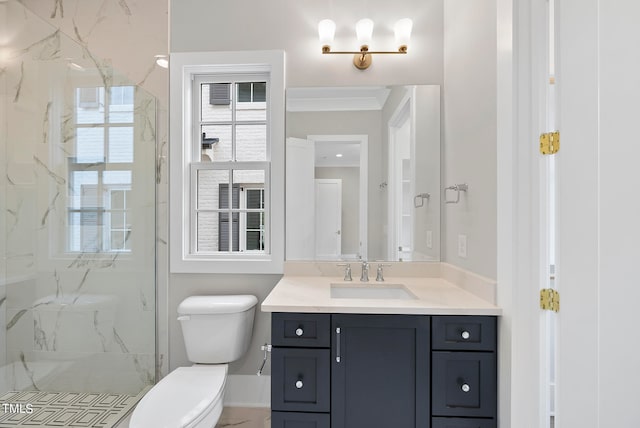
[(69, 320)]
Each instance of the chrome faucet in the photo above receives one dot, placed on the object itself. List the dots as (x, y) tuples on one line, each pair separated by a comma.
[(380, 273), (347, 271), (364, 276)]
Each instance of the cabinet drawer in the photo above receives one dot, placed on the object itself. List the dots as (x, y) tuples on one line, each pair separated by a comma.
[(465, 333), (302, 330), (300, 380), (464, 384), (300, 420), (463, 423)]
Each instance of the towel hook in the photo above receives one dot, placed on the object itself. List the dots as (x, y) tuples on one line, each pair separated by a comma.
[(418, 200), (457, 188)]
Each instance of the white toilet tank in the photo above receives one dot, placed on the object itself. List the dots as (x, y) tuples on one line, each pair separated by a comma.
[(216, 329)]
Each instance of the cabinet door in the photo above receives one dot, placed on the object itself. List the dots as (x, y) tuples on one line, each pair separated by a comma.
[(464, 384), (463, 333), (300, 330), (299, 420), (463, 423), (380, 371), (300, 380)]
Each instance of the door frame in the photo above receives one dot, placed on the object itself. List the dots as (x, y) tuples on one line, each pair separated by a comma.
[(521, 211), (363, 140), (404, 112)]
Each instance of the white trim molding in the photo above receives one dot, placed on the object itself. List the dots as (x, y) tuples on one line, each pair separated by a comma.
[(352, 98), (185, 66)]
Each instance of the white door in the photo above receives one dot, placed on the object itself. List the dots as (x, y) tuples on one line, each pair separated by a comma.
[(599, 213), (328, 225), (300, 199)]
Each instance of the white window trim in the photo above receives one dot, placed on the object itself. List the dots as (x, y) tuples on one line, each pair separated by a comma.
[(184, 67)]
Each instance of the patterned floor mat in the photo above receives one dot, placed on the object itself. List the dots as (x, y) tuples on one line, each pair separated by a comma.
[(64, 409)]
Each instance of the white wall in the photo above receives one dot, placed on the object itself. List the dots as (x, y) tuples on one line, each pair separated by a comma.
[(470, 133)]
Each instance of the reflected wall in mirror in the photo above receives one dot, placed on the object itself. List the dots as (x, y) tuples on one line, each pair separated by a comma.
[(363, 173)]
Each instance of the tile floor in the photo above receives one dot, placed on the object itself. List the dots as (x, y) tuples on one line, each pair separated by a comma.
[(236, 417), (65, 409)]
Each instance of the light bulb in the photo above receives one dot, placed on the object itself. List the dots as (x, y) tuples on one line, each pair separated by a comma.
[(326, 32), (364, 31), (402, 31)]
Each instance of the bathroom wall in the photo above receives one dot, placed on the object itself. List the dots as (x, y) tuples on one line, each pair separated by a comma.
[(470, 123), (105, 27), (82, 321)]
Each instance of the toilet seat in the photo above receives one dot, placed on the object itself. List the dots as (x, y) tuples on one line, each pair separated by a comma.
[(189, 397)]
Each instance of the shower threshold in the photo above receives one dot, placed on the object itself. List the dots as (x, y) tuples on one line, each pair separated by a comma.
[(21, 409)]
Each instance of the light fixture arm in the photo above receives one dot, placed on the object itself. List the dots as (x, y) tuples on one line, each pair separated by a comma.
[(362, 59)]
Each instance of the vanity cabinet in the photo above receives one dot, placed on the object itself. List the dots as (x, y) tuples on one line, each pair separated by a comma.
[(380, 371)]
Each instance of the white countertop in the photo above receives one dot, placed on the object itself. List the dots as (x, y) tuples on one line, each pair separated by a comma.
[(435, 296)]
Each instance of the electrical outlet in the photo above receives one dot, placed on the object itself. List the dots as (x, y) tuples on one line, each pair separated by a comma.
[(429, 239), (462, 246)]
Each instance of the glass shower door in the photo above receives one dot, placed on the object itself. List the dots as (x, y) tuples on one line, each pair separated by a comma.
[(77, 224)]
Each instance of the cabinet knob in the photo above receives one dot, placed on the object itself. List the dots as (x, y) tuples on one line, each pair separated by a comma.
[(465, 387), (465, 335), (299, 331), (299, 384)]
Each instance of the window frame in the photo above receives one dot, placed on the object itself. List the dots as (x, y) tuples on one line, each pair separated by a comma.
[(185, 68)]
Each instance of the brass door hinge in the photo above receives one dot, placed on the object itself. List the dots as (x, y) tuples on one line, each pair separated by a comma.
[(550, 143), (549, 300)]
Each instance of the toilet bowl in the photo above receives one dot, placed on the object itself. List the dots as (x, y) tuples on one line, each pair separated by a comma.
[(216, 330)]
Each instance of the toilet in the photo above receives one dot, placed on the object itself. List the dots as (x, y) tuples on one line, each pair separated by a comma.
[(216, 330)]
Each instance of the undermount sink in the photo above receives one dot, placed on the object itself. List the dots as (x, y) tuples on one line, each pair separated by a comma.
[(371, 291)]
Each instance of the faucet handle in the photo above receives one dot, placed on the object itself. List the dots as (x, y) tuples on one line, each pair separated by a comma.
[(347, 271), (379, 271), (364, 276)]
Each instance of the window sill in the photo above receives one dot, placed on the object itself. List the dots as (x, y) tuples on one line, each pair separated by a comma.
[(249, 264)]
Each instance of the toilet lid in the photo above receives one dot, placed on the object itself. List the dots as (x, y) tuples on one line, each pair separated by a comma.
[(183, 397)]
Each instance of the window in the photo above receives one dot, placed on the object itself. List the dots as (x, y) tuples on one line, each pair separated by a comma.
[(233, 156), (252, 92), (100, 172), (230, 175)]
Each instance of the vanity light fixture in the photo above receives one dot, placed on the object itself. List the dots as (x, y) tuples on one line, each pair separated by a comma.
[(364, 33)]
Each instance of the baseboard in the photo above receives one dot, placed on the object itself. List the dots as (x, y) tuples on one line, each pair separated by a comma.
[(248, 391)]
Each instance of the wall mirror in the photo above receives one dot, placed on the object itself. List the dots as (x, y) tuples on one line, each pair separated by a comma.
[(363, 173)]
